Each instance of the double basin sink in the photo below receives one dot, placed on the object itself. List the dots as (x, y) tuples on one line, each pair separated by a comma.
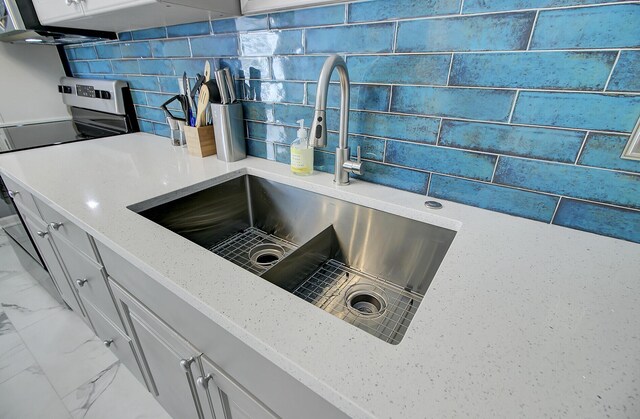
[(367, 267)]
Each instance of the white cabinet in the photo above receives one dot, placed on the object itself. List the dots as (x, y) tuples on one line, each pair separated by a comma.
[(259, 6), (119, 15)]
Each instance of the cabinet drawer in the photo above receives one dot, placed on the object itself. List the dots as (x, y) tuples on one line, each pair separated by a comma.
[(119, 343), (21, 196), (88, 280), (65, 228)]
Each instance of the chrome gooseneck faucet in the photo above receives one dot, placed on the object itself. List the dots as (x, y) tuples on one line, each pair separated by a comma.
[(318, 136)]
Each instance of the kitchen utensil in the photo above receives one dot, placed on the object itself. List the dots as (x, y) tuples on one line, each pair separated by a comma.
[(197, 86), (190, 117), (200, 141), (214, 93), (222, 86), (207, 71), (203, 103), (231, 87)]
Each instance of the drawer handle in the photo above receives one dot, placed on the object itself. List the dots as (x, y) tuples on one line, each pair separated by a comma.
[(107, 342), (55, 226), (81, 282), (204, 381), (12, 194), (42, 234)]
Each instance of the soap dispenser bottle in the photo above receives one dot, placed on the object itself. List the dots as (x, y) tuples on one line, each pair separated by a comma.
[(301, 153)]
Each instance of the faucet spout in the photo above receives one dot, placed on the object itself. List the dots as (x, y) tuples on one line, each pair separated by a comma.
[(318, 135)]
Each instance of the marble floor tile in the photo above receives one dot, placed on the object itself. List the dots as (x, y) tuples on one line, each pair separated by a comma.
[(29, 395), (14, 355), (26, 302), (67, 350), (114, 393)]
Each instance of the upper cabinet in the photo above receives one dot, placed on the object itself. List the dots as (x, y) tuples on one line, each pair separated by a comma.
[(259, 6), (119, 15)]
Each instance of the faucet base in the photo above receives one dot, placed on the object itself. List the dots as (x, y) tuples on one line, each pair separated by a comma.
[(340, 175)]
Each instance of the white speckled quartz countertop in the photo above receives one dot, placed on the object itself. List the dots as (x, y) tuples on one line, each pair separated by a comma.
[(523, 319)]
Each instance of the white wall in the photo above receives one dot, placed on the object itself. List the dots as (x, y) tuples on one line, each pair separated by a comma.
[(29, 76)]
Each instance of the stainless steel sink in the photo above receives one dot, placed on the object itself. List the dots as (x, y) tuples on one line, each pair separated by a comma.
[(367, 267)]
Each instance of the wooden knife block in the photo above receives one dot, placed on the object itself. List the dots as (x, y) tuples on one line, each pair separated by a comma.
[(201, 141)]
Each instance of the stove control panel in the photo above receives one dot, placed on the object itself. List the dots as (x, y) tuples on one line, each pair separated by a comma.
[(84, 92)]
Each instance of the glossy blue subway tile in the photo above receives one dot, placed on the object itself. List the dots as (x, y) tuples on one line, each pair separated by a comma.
[(79, 67), (70, 52), (539, 143), (289, 114), (191, 66), (258, 111), (625, 75), (189, 29), (240, 24), (146, 126), (257, 148), (499, 32), (318, 16), (152, 33), (363, 96), (84, 53), (401, 127), (271, 43), (525, 204), (124, 36), (299, 68), (162, 129), (377, 37), (324, 162), (169, 84), (536, 70), (157, 67), (600, 219), (108, 51), (157, 99), (170, 48), (125, 66), (214, 46), (248, 68), (283, 153), (139, 97), (574, 181), (399, 69), (395, 177), (441, 160), (578, 110), (135, 49), (141, 82), (271, 133), (483, 104), (601, 150), (150, 114), (590, 27), (100, 67), (480, 6), (270, 91), (400, 9), (370, 148)]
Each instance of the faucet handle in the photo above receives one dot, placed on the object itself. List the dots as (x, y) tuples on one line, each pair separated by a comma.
[(354, 167), (358, 156)]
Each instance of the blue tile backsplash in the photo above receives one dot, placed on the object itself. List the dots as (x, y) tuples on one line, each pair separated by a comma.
[(517, 106)]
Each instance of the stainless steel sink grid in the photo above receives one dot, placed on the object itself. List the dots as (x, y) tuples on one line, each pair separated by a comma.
[(254, 250), (364, 266), (385, 311)]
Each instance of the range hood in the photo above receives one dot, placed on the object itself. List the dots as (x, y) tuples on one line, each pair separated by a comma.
[(19, 24)]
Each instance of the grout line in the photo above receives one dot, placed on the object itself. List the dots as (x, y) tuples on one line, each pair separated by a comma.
[(513, 106), (450, 67), (390, 98), (555, 210), (429, 183), (461, 7), (394, 43), (384, 151), (584, 142), (533, 28), (615, 63), (439, 131), (495, 167)]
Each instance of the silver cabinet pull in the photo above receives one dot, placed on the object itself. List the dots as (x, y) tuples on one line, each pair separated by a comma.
[(204, 381), (68, 2), (42, 234), (107, 342), (56, 226), (81, 282), (12, 194), (186, 364)]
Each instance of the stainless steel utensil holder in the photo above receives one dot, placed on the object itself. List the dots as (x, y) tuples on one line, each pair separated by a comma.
[(228, 126)]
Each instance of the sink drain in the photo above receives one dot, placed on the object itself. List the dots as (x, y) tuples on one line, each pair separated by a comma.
[(365, 300), (266, 255)]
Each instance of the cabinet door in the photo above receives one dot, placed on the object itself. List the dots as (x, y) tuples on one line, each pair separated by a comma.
[(40, 234), (226, 398), (100, 6), (168, 359), (253, 6), (54, 11)]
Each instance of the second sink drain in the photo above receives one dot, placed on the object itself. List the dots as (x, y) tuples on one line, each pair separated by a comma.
[(266, 255)]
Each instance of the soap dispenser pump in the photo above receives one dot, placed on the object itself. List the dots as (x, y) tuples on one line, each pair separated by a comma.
[(301, 153)]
